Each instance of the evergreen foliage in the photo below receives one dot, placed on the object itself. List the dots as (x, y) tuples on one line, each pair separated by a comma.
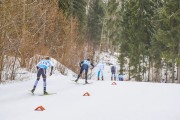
[(94, 23), (150, 36), (168, 33), (74, 8)]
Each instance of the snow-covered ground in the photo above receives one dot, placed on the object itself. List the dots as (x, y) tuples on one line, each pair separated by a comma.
[(124, 101)]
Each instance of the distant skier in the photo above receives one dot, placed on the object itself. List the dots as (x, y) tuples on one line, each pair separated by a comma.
[(113, 72), (41, 70), (85, 64), (100, 70), (120, 77)]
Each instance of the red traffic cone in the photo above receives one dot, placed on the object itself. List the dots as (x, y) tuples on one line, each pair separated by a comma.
[(86, 94), (40, 108), (114, 83)]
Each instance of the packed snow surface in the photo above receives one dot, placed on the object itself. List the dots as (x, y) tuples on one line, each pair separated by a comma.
[(124, 101)]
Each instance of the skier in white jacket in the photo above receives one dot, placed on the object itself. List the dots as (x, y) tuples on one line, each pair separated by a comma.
[(100, 70)]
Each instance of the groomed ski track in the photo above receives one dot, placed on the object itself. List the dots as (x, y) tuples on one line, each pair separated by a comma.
[(124, 101)]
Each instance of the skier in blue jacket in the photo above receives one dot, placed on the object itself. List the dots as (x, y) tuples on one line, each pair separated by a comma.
[(41, 70), (85, 64)]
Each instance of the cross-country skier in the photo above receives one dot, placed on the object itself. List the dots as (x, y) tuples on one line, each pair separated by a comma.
[(113, 72), (100, 70), (120, 77), (41, 70), (85, 64)]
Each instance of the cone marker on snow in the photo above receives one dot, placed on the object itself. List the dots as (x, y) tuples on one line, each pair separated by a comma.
[(86, 94), (40, 108), (114, 83)]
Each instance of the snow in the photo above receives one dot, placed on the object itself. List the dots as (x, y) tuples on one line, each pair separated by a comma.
[(125, 101)]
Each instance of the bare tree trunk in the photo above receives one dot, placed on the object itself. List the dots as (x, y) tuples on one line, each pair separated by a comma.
[(108, 42), (152, 72), (173, 67), (139, 72), (102, 36), (23, 34), (158, 75), (166, 73), (149, 70), (129, 71), (178, 73), (13, 69), (1, 58)]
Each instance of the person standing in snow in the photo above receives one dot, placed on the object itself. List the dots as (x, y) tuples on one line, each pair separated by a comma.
[(113, 72), (84, 65), (41, 70), (100, 70)]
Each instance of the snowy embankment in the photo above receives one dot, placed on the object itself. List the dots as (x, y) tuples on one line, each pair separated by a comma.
[(124, 101)]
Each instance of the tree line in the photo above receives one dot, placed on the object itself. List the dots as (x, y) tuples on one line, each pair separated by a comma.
[(145, 32), (148, 32)]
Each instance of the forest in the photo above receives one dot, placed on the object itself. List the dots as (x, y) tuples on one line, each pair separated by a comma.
[(145, 33)]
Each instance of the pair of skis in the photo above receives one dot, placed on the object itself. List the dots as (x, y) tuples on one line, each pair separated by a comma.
[(47, 94), (83, 83), (42, 94)]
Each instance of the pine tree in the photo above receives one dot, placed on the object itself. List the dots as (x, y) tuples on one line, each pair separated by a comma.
[(168, 33), (74, 9), (94, 24), (136, 33)]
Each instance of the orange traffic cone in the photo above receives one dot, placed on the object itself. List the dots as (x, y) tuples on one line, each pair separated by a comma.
[(86, 94), (114, 83), (40, 108)]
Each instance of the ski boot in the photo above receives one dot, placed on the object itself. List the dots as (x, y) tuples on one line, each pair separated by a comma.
[(33, 91), (86, 82), (76, 80), (45, 93)]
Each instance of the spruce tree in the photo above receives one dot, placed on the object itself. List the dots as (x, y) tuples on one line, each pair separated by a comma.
[(168, 33), (94, 23), (75, 9)]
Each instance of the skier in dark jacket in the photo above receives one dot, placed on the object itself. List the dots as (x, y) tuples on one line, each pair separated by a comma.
[(85, 64), (113, 72)]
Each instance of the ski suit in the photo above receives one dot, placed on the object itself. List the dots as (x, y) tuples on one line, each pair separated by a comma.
[(41, 70), (85, 64), (113, 72), (120, 77), (100, 70)]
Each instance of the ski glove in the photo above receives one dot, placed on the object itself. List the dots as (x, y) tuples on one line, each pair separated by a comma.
[(37, 67), (50, 73)]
